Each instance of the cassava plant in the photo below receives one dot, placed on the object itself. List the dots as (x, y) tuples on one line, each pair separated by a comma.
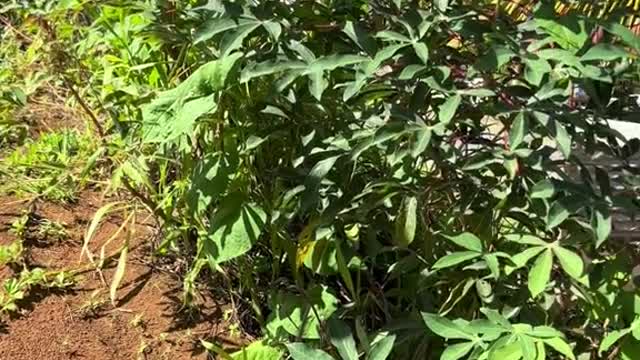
[(392, 179)]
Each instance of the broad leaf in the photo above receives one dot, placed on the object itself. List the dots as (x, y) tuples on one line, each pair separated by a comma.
[(448, 108), (405, 226), (444, 327), (341, 337), (540, 273), (234, 228), (302, 351), (468, 241), (457, 351), (570, 262), (455, 259)]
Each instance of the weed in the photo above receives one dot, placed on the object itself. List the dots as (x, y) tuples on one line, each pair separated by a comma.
[(52, 167), (138, 321), (15, 289), (49, 230), (19, 227), (12, 253), (94, 304)]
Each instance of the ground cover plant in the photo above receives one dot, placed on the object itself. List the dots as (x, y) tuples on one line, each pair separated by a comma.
[(367, 179)]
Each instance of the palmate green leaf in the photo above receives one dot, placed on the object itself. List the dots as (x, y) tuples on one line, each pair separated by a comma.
[(448, 109), (406, 221), (234, 228), (445, 328), (302, 351), (341, 337), (540, 273), (457, 351), (570, 262), (455, 259), (468, 241)]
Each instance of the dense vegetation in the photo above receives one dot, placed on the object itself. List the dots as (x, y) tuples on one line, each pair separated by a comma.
[(369, 179)]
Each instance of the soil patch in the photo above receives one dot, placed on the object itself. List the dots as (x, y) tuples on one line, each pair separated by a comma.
[(147, 321)]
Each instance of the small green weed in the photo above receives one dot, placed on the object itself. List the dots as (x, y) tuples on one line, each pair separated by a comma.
[(53, 166), (93, 305), (15, 289), (12, 253)]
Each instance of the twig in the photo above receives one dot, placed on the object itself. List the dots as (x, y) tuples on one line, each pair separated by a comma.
[(85, 107)]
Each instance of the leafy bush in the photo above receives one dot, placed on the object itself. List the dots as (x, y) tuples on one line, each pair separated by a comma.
[(410, 176), (381, 179)]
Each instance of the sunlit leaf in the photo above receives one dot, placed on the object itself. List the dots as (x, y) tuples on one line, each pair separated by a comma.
[(540, 273)]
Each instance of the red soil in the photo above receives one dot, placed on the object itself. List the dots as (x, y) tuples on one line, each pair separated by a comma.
[(80, 323)]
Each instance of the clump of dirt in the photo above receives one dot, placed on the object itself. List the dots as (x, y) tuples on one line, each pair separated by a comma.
[(147, 320)]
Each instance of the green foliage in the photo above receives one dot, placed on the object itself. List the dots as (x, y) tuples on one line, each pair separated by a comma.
[(374, 179), (54, 166), (16, 288), (362, 163)]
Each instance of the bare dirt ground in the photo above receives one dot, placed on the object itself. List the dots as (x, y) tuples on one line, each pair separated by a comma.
[(147, 321)]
